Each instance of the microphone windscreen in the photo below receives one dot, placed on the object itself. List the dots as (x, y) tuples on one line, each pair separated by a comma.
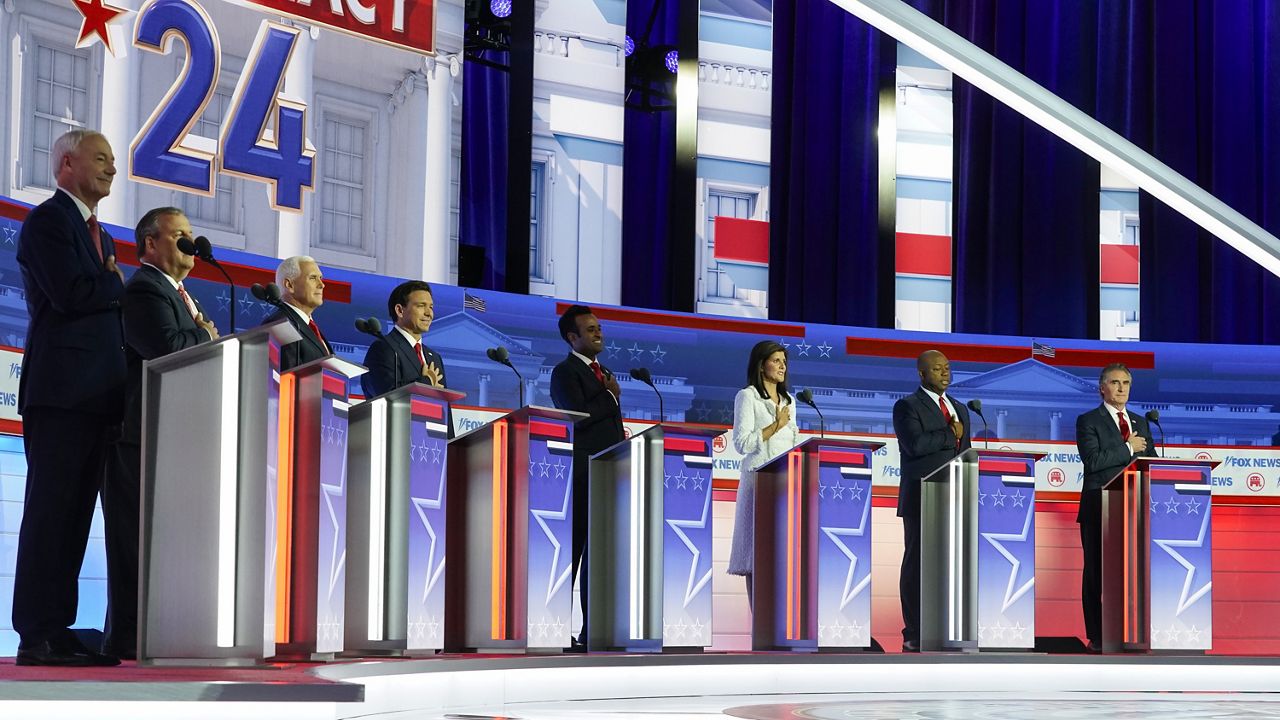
[(258, 291), (805, 396), (374, 325), (642, 374), (203, 247), (186, 246), (492, 354), (503, 354), (975, 405), (273, 292), (1153, 415), (362, 325)]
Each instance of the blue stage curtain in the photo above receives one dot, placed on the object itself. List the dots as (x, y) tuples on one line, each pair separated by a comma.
[(1026, 203), (1197, 84), (827, 262), (483, 180)]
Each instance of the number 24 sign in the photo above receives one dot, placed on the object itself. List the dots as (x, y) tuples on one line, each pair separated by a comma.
[(279, 154)]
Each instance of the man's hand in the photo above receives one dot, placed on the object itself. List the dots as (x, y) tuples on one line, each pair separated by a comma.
[(611, 384), (432, 374), (207, 326), (110, 263), (1138, 443), (957, 427)]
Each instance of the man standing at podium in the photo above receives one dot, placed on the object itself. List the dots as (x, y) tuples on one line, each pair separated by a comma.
[(399, 357), (70, 394), (1109, 437), (580, 383), (160, 317), (302, 290), (931, 430)]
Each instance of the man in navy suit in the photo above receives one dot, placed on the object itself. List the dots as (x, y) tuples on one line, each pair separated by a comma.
[(302, 290), (399, 357), (1109, 437), (932, 429), (71, 395), (580, 383), (160, 317)]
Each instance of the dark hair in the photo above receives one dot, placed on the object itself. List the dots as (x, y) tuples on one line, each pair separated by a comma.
[(759, 354), (149, 225), (569, 320), (1102, 376), (400, 296)]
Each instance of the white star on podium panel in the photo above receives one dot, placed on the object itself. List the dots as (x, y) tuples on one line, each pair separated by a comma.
[(1187, 597)]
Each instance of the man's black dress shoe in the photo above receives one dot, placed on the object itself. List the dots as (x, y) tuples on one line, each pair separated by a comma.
[(63, 654), (910, 646), (576, 646), (1092, 648)]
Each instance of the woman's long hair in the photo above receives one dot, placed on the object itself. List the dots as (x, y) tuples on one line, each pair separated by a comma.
[(755, 377)]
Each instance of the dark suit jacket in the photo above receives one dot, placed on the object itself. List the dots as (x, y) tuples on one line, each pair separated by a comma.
[(74, 354), (303, 351), (574, 387), (388, 352), (1104, 453), (925, 443), (156, 323)]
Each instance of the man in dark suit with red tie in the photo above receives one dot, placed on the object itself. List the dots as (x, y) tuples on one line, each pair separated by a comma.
[(160, 317), (580, 383), (302, 292), (399, 357), (932, 429), (1109, 437), (71, 395)]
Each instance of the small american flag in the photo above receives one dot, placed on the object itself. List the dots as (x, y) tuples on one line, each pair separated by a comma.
[(471, 302), (1042, 349)]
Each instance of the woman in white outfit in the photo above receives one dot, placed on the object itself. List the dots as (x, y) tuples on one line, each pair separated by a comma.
[(763, 428)]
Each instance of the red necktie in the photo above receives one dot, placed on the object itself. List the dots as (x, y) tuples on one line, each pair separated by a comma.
[(95, 234), (595, 368), (946, 415), (422, 360), (186, 299), (1124, 426), (316, 329)]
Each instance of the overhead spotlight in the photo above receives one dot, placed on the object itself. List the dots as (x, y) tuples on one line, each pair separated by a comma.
[(672, 61), (628, 46), (500, 8)]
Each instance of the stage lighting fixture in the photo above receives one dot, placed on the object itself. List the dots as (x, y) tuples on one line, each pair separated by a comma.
[(500, 8), (487, 28), (628, 46), (672, 61)]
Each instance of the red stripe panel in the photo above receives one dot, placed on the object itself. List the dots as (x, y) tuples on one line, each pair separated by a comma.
[(420, 408), (1181, 476), (11, 427), (741, 240), (842, 457), (923, 254), (334, 385), (693, 322), (242, 275), (998, 354), (1002, 466), (687, 446), (1120, 264), (542, 428)]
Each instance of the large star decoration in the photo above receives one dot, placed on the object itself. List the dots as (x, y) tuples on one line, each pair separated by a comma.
[(97, 15)]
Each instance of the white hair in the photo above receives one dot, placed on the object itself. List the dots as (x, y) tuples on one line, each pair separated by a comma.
[(67, 144), (291, 268)]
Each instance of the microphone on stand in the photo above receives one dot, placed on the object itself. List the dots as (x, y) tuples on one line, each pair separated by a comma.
[(202, 249), (269, 293), (806, 396), (976, 406), (373, 326), (502, 356), (642, 374), (1153, 417)]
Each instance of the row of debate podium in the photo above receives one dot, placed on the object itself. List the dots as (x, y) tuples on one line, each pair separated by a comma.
[(282, 520)]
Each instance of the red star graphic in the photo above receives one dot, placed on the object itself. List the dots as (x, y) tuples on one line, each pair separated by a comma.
[(97, 15)]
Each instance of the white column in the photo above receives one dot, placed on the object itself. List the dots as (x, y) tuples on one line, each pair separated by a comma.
[(1001, 418), (1055, 426), (294, 228), (485, 378), (439, 167), (117, 104)]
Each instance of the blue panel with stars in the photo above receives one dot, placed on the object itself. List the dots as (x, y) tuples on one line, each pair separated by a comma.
[(1181, 558), (550, 566), (1006, 552), (332, 535), (686, 540), (428, 436), (844, 546)]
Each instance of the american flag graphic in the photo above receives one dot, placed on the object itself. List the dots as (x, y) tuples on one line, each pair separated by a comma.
[(1042, 350), (471, 302)]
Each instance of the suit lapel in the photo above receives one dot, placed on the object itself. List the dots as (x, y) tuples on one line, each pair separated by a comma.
[(81, 226), (404, 351)]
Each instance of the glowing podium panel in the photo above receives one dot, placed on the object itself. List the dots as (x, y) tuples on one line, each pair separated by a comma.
[(812, 567), (510, 530), (649, 541), (1157, 556), (977, 552), (312, 508), (397, 463), (208, 489)]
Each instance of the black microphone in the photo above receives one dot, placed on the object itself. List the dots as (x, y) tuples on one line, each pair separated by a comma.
[(373, 326), (501, 355), (642, 374), (976, 406), (202, 249), (1153, 416), (806, 396), (269, 293), (186, 246)]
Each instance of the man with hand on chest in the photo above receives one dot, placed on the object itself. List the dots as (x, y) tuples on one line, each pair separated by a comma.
[(399, 357)]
